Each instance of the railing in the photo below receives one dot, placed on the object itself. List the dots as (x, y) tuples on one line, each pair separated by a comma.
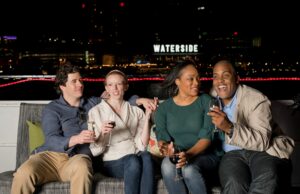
[(41, 87), (28, 78)]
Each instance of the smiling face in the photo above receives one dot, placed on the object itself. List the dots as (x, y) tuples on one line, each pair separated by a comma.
[(73, 88), (188, 81), (225, 81), (116, 85)]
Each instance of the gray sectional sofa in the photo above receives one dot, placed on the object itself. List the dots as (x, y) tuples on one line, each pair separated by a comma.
[(102, 184), (285, 115)]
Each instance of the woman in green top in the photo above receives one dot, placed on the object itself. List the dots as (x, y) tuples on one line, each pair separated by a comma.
[(182, 120)]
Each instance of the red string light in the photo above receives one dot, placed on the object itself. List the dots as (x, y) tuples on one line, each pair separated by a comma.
[(133, 79), (25, 80)]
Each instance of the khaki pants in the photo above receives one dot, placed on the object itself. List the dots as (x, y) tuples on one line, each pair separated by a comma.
[(54, 166)]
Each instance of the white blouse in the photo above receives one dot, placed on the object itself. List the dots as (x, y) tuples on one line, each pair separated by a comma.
[(126, 135)]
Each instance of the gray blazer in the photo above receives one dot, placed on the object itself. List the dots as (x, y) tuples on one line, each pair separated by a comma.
[(253, 127)]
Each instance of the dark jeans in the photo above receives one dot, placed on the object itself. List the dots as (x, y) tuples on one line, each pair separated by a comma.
[(194, 179), (243, 171), (137, 171)]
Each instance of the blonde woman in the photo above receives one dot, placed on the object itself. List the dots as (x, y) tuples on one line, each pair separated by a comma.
[(122, 135)]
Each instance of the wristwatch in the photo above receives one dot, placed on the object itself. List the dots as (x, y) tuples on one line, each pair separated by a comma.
[(231, 126)]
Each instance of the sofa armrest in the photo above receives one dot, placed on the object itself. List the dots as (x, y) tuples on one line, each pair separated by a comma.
[(31, 112)]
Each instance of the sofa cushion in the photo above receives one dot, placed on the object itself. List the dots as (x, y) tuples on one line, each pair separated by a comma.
[(153, 145), (102, 185), (36, 135), (28, 112), (5, 182)]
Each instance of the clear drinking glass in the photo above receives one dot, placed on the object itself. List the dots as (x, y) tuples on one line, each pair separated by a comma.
[(214, 102), (91, 125)]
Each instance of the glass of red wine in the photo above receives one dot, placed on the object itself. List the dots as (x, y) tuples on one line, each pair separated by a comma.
[(174, 159), (113, 123)]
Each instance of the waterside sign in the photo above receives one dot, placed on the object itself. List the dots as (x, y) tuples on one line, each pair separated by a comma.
[(175, 48)]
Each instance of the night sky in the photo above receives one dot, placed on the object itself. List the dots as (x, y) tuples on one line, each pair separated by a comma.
[(39, 15), (276, 21)]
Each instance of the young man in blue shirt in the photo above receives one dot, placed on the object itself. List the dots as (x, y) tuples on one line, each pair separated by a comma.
[(65, 155)]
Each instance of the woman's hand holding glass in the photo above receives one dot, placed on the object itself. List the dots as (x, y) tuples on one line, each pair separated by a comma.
[(167, 149), (107, 129), (178, 157), (182, 159)]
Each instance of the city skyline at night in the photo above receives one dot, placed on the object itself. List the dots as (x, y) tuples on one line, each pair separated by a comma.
[(152, 19), (248, 31)]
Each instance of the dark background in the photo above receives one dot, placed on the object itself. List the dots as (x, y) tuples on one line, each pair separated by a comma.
[(173, 19)]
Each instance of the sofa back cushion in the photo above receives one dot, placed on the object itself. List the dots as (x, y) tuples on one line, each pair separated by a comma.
[(28, 112), (287, 117), (153, 144), (36, 135)]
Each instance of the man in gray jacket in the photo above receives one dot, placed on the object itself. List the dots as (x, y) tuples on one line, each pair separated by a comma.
[(254, 153)]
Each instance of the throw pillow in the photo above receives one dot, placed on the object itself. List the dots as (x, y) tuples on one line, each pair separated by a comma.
[(36, 135), (153, 146)]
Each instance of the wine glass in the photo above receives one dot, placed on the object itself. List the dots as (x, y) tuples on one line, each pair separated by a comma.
[(214, 102), (113, 123), (91, 125), (174, 159)]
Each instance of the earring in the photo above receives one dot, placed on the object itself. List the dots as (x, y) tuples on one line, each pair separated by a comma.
[(176, 91)]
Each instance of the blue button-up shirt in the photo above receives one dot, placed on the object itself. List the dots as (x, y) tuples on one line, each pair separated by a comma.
[(229, 109), (60, 122)]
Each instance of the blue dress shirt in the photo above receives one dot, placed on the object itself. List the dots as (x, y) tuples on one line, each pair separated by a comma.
[(229, 109)]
